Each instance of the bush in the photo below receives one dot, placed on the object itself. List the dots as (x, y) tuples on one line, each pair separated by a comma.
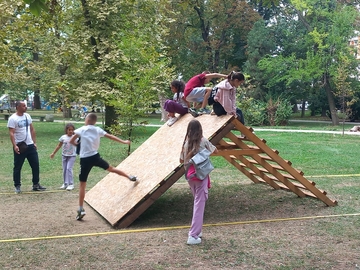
[(258, 113), (254, 111)]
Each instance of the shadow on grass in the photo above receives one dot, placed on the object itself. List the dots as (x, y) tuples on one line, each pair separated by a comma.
[(229, 203)]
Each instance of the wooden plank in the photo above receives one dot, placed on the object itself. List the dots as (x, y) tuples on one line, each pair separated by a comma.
[(266, 165), (285, 165), (114, 196)]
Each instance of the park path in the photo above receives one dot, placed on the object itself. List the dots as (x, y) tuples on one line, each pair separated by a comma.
[(347, 125)]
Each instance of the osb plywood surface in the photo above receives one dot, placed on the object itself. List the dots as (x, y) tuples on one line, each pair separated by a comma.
[(114, 196)]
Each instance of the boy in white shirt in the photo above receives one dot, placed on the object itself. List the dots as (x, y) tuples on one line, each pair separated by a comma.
[(89, 157)]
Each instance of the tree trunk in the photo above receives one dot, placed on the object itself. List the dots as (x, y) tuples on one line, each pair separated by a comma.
[(303, 109), (37, 102), (331, 100), (110, 116), (164, 113), (66, 111)]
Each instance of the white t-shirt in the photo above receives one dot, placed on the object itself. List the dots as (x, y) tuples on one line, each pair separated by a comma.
[(205, 143), (19, 124), (68, 149), (90, 139), (180, 100)]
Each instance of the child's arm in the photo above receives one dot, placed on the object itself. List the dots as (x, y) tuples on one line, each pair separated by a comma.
[(215, 75), (56, 149), (73, 139), (114, 138)]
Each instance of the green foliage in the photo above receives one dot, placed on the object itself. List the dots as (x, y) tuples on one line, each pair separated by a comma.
[(36, 6), (310, 49), (253, 111), (283, 112), (208, 35)]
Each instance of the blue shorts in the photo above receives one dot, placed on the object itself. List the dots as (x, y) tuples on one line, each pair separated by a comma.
[(196, 95), (87, 163)]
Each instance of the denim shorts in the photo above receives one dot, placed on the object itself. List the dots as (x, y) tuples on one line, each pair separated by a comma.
[(197, 94)]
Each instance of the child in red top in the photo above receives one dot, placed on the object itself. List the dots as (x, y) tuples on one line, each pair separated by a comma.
[(195, 91)]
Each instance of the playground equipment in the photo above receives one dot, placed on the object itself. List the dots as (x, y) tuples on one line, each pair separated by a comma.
[(156, 163)]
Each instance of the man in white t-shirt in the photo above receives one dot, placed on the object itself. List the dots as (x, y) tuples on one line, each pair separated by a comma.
[(21, 130)]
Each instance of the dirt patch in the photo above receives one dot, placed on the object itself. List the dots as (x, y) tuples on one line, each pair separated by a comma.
[(275, 242)]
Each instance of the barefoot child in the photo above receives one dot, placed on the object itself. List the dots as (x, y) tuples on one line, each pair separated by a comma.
[(194, 142), (68, 156), (89, 157)]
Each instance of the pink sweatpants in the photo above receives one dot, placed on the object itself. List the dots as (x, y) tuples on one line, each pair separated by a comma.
[(200, 191)]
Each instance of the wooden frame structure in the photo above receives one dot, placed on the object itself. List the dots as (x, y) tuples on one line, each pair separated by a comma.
[(156, 163)]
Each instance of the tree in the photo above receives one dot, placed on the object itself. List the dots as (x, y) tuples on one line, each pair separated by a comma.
[(119, 35), (325, 30), (208, 35)]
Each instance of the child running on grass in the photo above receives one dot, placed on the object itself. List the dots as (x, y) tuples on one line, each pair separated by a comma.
[(89, 157), (68, 156), (193, 143)]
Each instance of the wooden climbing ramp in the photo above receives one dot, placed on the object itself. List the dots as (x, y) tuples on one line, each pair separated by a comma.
[(156, 164)]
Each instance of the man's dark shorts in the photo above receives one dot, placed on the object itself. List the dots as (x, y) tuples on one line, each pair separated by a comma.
[(87, 163)]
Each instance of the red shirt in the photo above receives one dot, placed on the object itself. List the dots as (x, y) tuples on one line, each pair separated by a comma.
[(196, 81)]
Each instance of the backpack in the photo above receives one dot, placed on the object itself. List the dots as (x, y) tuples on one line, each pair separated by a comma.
[(211, 100), (199, 166)]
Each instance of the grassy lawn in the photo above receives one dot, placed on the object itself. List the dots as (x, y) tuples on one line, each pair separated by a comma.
[(247, 226)]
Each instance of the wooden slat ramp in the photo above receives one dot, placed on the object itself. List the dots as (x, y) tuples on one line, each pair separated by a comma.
[(156, 164)]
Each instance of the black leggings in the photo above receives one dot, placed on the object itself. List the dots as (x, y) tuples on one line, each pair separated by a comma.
[(219, 110)]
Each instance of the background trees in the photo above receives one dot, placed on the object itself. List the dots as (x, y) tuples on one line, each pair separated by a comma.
[(312, 43), (125, 53)]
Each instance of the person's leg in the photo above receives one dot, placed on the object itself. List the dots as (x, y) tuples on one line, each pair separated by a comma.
[(86, 165), (105, 165), (64, 167), (33, 159), (18, 163), (206, 97), (173, 107), (200, 192), (70, 172), (117, 171), (240, 116), (82, 188), (120, 172), (218, 109), (197, 95)]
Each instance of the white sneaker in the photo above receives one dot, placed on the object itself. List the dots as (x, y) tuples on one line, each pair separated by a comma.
[(200, 234), (70, 187), (193, 241), (171, 121), (63, 186)]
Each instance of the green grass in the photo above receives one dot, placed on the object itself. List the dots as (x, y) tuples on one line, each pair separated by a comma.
[(330, 160)]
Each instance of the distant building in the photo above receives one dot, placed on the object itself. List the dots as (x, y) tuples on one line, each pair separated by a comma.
[(354, 42)]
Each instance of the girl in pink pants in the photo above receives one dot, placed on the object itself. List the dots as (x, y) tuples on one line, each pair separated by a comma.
[(193, 143)]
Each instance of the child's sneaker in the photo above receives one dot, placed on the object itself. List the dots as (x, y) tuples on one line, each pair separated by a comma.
[(193, 241), (132, 178), (171, 121), (70, 187), (203, 111), (80, 214), (193, 112), (63, 186)]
